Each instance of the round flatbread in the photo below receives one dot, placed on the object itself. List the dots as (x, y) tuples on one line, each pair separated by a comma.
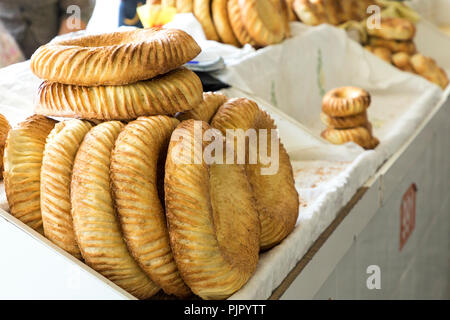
[(24, 150), (176, 91), (277, 200), (56, 174), (265, 20), (139, 152), (114, 58), (222, 22), (95, 222), (241, 33), (202, 11), (213, 224)]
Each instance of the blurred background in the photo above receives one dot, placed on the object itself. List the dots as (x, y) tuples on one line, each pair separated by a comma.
[(105, 16)]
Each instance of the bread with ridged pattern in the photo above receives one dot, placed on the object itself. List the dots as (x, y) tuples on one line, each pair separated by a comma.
[(24, 150), (114, 58), (94, 218)]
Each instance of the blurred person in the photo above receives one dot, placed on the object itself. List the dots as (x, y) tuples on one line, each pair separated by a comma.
[(33, 23), (9, 50), (127, 13)]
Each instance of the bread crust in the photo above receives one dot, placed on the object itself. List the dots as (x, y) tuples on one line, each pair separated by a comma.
[(4, 129), (206, 110), (24, 150), (202, 11), (394, 29), (139, 150), (345, 101), (96, 226), (222, 22), (179, 90), (277, 200), (59, 154), (241, 33), (213, 224), (264, 20), (114, 59)]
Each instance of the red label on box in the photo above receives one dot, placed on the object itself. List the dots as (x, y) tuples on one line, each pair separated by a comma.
[(407, 214)]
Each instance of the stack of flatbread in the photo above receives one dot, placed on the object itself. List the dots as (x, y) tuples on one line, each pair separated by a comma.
[(124, 183)]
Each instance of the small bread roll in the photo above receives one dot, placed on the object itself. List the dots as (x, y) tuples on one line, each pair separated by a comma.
[(394, 45), (428, 68), (381, 52), (402, 61), (345, 101), (360, 135), (344, 122)]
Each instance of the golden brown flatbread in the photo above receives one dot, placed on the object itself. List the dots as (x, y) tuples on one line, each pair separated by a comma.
[(213, 224), (176, 91), (277, 200), (202, 11), (241, 33), (222, 22), (4, 129), (114, 58), (265, 20), (22, 169), (94, 219), (138, 153), (56, 174)]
